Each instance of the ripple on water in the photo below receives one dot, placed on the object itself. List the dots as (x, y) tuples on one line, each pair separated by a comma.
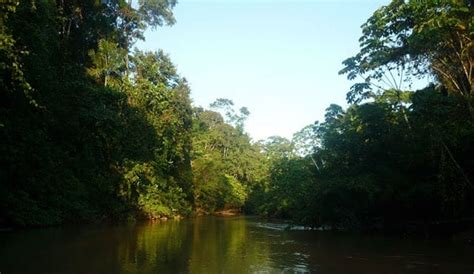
[(271, 226), (301, 255)]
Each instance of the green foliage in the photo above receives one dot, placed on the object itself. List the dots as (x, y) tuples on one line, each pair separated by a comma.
[(375, 164), (395, 155), (12, 79), (92, 131), (111, 133), (225, 163), (89, 150), (107, 63), (414, 38), (233, 118)]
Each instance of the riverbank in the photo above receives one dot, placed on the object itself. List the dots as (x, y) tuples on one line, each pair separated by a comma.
[(460, 229)]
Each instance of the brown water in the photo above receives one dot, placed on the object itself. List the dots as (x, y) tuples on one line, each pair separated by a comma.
[(223, 245)]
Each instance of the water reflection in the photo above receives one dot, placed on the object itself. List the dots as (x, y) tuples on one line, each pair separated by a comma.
[(222, 245)]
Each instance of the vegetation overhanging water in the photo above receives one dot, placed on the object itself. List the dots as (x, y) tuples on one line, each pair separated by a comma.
[(93, 130)]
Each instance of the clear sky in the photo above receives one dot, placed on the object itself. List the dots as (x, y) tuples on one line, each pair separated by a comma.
[(279, 58)]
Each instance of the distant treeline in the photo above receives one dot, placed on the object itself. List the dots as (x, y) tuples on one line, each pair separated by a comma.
[(92, 129)]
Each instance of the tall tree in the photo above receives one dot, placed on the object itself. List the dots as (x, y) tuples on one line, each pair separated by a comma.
[(415, 38)]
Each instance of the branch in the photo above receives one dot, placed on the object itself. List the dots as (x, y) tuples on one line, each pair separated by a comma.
[(401, 77), (453, 81), (393, 78)]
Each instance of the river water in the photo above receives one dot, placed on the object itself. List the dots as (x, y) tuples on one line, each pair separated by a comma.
[(223, 245)]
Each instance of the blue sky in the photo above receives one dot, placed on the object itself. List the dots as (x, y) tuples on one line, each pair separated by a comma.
[(278, 58)]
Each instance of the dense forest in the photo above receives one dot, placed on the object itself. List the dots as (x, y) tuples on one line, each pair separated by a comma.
[(93, 129)]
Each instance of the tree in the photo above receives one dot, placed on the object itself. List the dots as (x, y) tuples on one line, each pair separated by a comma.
[(155, 67), (107, 63), (305, 140), (116, 147), (414, 38), (226, 106), (134, 17), (10, 64)]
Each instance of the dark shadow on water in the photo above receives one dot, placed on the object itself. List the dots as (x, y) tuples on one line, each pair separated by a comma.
[(223, 245)]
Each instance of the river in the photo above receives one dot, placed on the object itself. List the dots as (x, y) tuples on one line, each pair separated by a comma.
[(223, 245)]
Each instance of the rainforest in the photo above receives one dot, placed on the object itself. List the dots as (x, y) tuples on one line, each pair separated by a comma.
[(94, 130)]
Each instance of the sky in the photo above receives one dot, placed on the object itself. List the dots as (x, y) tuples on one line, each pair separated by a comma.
[(279, 58)]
